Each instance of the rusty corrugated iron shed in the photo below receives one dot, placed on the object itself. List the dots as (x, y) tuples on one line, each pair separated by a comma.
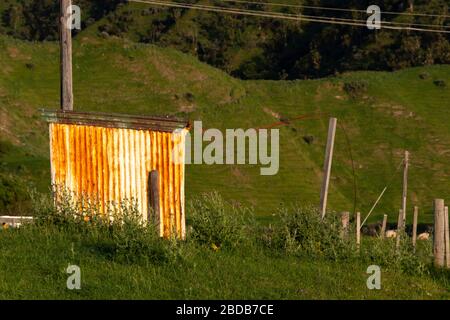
[(108, 157)]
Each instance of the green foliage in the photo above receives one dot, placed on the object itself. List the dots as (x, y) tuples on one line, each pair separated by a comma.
[(5, 147), (303, 231), (119, 234), (124, 259), (385, 253), (38, 19), (13, 193), (440, 83), (252, 47), (215, 223), (355, 88)]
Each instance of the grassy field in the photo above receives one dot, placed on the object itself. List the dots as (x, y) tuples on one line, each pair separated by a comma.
[(125, 263), (31, 271), (380, 114)]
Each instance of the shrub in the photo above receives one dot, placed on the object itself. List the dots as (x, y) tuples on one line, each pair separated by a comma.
[(13, 193), (216, 223), (440, 83), (424, 75), (119, 233), (355, 88), (302, 231), (5, 147), (308, 139), (135, 241), (122, 236), (385, 253)]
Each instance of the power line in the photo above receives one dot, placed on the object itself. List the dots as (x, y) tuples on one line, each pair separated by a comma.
[(270, 14), (267, 14), (339, 19), (276, 4), (334, 18)]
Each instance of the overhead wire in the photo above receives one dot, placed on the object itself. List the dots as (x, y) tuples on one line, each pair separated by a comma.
[(277, 4), (271, 14), (336, 18)]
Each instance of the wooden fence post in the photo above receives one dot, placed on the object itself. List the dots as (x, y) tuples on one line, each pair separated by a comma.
[(414, 230), (447, 238), (327, 166), (383, 226), (439, 233), (405, 187), (345, 218), (358, 229), (153, 195), (399, 227)]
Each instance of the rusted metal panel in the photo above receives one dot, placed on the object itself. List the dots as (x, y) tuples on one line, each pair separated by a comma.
[(111, 120), (108, 160)]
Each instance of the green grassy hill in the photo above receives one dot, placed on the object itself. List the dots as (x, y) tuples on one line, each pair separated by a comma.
[(380, 114)]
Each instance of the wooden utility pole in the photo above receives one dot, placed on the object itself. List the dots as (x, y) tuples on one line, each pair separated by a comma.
[(383, 226), (447, 238), (327, 166), (439, 233), (414, 231), (405, 186), (411, 5), (66, 55)]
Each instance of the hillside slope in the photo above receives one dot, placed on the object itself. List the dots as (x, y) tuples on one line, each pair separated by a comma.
[(380, 114), (252, 47)]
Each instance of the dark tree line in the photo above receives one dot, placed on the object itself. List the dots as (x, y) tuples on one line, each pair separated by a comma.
[(38, 19), (255, 47)]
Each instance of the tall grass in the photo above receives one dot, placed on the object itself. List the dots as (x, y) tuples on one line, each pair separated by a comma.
[(302, 232), (216, 223), (119, 234), (226, 255)]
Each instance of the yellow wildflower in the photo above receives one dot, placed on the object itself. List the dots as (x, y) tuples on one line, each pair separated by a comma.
[(214, 247)]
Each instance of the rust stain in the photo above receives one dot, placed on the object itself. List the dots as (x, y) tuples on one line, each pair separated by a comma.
[(109, 165)]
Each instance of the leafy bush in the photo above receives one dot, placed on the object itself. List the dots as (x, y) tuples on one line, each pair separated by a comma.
[(13, 193), (440, 83), (119, 233), (302, 231), (385, 253), (355, 88), (216, 223), (5, 147), (122, 236), (424, 75)]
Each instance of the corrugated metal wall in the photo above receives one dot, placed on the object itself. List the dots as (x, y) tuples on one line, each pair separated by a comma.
[(113, 164)]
